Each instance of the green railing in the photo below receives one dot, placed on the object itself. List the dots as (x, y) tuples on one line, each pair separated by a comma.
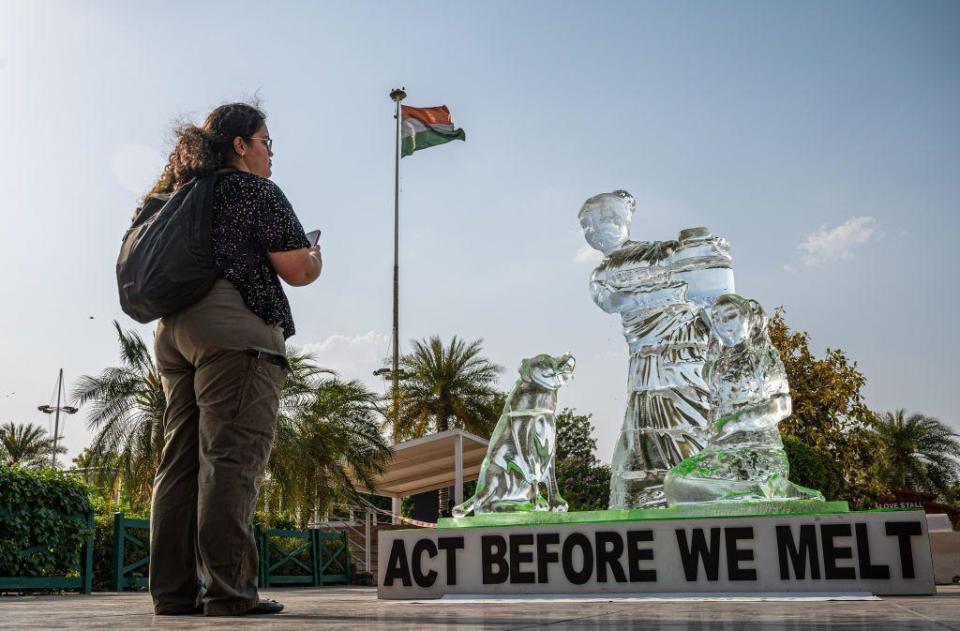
[(302, 557), (333, 557), (287, 557), (84, 569), (126, 575)]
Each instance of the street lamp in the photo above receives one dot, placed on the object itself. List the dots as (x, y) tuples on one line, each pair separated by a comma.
[(48, 409), (387, 373)]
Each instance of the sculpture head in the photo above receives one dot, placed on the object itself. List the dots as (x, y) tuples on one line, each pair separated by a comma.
[(736, 319), (605, 220), (547, 371)]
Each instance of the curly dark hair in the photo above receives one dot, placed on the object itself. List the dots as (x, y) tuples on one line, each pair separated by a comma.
[(200, 151)]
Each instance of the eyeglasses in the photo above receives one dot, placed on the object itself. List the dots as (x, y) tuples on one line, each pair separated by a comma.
[(267, 141)]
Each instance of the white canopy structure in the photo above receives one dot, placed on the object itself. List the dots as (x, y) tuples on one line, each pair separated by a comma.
[(433, 462)]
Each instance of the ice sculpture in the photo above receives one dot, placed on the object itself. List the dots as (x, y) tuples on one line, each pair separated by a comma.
[(659, 289), (749, 395), (523, 447)]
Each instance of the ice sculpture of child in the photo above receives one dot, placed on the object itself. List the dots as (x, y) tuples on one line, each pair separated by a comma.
[(749, 395)]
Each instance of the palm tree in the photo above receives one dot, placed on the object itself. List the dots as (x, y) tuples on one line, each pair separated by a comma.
[(443, 385), (26, 445), (126, 414), (321, 426), (324, 443), (919, 452), (102, 479)]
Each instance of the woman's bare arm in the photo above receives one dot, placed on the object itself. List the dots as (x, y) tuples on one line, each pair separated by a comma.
[(297, 267)]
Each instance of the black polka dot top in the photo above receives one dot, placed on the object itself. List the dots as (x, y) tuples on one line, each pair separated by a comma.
[(251, 216)]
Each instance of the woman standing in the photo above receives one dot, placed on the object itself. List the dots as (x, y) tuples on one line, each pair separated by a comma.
[(222, 362)]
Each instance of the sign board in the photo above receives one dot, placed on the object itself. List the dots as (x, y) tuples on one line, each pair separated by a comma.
[(880, 552)]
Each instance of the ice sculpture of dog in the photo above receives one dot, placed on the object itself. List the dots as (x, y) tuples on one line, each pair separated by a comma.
[(523, 447)]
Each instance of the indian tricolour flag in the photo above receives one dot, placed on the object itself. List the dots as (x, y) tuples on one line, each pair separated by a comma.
[(423, 127)]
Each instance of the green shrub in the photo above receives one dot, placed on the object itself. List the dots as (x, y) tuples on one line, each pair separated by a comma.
[(102, 549), (811, 469), (43, 513)]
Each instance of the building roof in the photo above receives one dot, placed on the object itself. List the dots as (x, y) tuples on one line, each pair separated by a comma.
[(428, 463)]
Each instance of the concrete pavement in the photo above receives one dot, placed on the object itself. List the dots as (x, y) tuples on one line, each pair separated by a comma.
[(358, 608)]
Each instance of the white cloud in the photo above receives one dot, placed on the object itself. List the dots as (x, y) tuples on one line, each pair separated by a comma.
[(352, 357), (371, 338), (586, 254), (835, 244)]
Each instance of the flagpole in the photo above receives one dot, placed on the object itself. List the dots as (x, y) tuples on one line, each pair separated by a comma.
[(397, 95)]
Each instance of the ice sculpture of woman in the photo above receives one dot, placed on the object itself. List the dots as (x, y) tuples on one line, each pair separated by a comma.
[(659, 289), (749, 395)]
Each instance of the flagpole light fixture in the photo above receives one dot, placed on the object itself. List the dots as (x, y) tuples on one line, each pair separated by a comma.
[(388, 373), (49, 409), (56, 410), (398, 94)]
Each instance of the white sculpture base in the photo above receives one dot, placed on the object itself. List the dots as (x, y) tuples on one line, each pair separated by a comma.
[(877, 552)]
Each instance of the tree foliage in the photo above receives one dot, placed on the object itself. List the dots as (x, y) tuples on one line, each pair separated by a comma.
[(442, 385), (325, 428), (26, 445), (918, 452), (584, 481), (575, 436), (125, 410), (585, 486), (100, 477), (829, 412), (327, 435), (814, 470)]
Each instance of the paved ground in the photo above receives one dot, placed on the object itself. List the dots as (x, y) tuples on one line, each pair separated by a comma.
[(358, 608)]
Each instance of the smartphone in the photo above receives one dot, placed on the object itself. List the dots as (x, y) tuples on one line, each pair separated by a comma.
[(314, 237)]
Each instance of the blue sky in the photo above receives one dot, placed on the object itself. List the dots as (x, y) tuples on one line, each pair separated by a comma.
[(821, 138)]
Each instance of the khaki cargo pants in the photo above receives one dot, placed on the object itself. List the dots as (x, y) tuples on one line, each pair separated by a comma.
[(222, 400)]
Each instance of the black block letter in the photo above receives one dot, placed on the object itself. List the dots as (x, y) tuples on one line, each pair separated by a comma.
[(735, 555), (450, 545), (575, 577), (517, 557), (867, 569), (697, 550), (428, 579), (609, 557), (397, 565), (635, 554), (831, 553), (799, 558), (544, 556), (903, 530), (494, 558)]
